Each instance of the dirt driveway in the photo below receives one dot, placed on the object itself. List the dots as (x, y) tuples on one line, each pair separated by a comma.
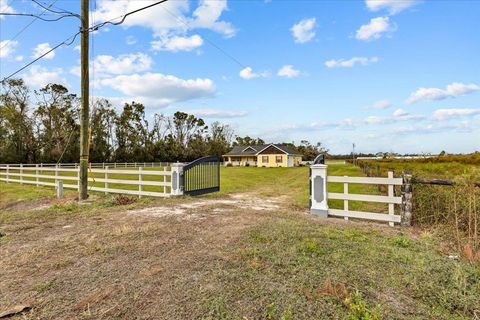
[(140, 263)]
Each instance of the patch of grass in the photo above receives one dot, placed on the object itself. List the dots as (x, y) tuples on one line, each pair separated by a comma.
[(346, 272)]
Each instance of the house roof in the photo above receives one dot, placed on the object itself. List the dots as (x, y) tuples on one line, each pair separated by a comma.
[(254, 150)]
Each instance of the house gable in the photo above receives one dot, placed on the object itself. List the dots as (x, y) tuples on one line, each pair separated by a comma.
[(271, 149), (249, 149)]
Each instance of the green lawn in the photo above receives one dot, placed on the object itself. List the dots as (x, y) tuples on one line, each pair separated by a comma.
[(233, 264)]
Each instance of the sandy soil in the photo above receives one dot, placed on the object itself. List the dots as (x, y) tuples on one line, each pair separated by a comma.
[(126, 264)]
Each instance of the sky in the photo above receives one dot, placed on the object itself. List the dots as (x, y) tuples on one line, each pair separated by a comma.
[(394, 76)]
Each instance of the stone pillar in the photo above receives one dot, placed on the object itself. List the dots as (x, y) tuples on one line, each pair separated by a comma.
[(178, 180), (318, 190)]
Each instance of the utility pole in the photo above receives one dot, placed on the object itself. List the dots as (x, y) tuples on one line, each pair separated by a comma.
[(353, 153), (84, 114)]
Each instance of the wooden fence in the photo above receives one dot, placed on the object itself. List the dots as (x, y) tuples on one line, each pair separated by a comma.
[(319, 196), (390, 198), (141, 182)]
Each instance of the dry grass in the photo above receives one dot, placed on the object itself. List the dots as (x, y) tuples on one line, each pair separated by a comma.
[(228, 256)]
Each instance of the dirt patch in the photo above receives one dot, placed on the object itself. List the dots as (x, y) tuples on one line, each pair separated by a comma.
[(40, 204), (189, 210), (126, 264)]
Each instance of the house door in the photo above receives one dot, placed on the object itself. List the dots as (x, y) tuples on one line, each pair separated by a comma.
[(290, 161)]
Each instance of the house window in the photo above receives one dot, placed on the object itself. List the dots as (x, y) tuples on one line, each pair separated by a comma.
[(278, 159), (265, 159)]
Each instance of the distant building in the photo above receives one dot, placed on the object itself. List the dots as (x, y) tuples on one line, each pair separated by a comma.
[(266, 155)]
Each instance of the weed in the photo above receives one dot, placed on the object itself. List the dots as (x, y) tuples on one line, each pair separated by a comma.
[(122, 200), (401, 241), (270, 311), (45, 286), (358, 309)]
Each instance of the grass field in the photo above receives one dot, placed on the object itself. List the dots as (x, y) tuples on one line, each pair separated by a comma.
[(452, 211), (248, 252)]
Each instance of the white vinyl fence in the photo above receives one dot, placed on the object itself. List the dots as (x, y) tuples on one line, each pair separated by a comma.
[(156, 182), (320, 196)]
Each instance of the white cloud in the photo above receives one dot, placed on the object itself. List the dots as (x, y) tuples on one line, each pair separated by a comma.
[(393, 6), (247, 73), (41, 49), (7, 48), (38, 77), (159, 89), (443, 114), (382, 104), (19, 58), (178, 43), (364, 61), (397, 115), (215, 113), (169, 19), (452, 90), (130, 40), (123, 64), (207, 16), (303, 31), (374, 29), (288, 71), (5, 8)]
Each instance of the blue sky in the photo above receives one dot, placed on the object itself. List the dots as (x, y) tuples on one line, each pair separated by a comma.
[(399, 76)]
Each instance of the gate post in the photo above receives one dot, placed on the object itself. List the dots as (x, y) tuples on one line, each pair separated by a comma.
[(407, 194), (178, 180), (318, 190)]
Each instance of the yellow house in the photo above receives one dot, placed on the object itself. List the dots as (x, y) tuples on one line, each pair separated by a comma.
[(267, 155)]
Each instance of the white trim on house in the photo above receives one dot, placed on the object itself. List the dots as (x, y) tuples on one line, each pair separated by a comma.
[(270, 145), (249, 147)]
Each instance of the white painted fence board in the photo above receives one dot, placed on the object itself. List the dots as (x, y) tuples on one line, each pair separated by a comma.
[(365, 197), (365, 180), (131, 182), (365, 215), (133, 192), (39, 176), (134, 172)]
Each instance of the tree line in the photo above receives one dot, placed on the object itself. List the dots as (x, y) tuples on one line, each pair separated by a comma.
[(43, 127)]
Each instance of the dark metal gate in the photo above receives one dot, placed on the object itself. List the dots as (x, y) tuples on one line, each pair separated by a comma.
[(202, 176)]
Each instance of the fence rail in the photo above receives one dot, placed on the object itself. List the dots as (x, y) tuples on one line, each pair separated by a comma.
[(319, 196), (50, 175), (95, 165), (156, 179)]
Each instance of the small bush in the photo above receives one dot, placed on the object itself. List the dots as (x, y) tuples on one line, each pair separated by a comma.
[(229, 164), (359, 310), (122, 200)]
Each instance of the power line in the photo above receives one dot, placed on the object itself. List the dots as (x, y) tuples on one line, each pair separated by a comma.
[(90, 29), (37, 16), (206, 39), (65, 42), (26, 27), (127, 14), (58, 12)]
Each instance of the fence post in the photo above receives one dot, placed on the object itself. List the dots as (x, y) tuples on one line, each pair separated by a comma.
[(165, 180), (407, 195), (103, 165), (391, 206), (36, 174), (345, 202), (59, 185), (139, 181), (318, 187), (178, 180), (78, 178), (21, 173), (105, 185), (56, 174), (8, 169)]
